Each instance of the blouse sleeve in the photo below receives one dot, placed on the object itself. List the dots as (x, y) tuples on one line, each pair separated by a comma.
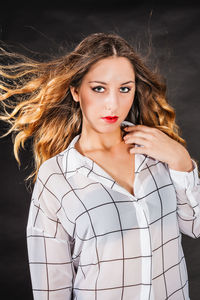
[(187, 186), (49, 248)]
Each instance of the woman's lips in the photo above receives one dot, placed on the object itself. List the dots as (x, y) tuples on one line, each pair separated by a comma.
[(110, 119)]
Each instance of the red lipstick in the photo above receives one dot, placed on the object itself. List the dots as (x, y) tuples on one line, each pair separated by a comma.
[(110, 119)]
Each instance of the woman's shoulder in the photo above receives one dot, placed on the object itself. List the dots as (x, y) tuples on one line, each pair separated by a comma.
[(52, 166), (59, 164)]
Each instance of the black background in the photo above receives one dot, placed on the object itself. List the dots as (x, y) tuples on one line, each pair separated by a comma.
[(173, 29)]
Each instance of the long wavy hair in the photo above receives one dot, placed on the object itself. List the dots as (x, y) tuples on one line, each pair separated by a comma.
[(37, 102)]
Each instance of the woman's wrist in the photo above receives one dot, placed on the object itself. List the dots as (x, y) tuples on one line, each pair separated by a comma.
[(183, 163)]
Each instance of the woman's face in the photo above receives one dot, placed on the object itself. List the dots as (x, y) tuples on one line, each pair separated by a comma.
[(107, 89)]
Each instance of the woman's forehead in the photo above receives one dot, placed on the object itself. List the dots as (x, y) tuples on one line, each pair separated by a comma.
[(117, 67)]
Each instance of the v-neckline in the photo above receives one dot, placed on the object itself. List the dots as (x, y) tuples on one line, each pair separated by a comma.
[(103, 171), (75, 162)]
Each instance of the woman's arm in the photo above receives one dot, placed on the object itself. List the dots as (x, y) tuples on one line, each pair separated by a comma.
[(183, 172), (49, 248), (187, 186)]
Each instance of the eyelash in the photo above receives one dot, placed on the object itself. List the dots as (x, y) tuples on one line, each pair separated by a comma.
[(94, 89)]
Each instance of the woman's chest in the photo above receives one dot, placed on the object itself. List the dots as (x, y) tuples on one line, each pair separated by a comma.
[(96, 205), (120, 167)]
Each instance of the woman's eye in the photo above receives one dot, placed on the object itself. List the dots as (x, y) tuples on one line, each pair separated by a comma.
[(97, 89), (126, 89)]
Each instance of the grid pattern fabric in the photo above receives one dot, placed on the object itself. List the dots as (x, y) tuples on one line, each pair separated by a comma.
[(88, 238)]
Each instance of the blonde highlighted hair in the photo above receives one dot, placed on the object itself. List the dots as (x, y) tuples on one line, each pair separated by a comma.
[(37, 102)]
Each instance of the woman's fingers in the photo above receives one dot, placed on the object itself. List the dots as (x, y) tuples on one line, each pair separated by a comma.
[(141, 128), (137, 140), (131, 136), (136, 136), (147, 137)]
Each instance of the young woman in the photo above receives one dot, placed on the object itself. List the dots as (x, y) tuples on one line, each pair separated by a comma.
[(109, 203)]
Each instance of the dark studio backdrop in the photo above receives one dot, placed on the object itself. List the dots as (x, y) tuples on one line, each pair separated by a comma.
[(173, 30)]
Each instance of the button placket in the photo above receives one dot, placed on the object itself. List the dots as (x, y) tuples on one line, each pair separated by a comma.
[(146, 251)]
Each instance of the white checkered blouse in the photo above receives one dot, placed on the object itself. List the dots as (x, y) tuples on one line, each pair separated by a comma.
[(90, 239)]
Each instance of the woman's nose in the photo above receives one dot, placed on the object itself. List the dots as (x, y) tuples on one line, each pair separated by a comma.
[(112, 100)]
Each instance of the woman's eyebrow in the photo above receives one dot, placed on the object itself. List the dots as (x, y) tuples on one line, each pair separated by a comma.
[(106, 83)]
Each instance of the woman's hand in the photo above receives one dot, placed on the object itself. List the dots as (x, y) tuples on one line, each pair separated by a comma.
[(160, 146)]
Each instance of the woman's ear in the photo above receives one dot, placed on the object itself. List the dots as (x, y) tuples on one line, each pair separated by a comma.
[(74, 93)]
